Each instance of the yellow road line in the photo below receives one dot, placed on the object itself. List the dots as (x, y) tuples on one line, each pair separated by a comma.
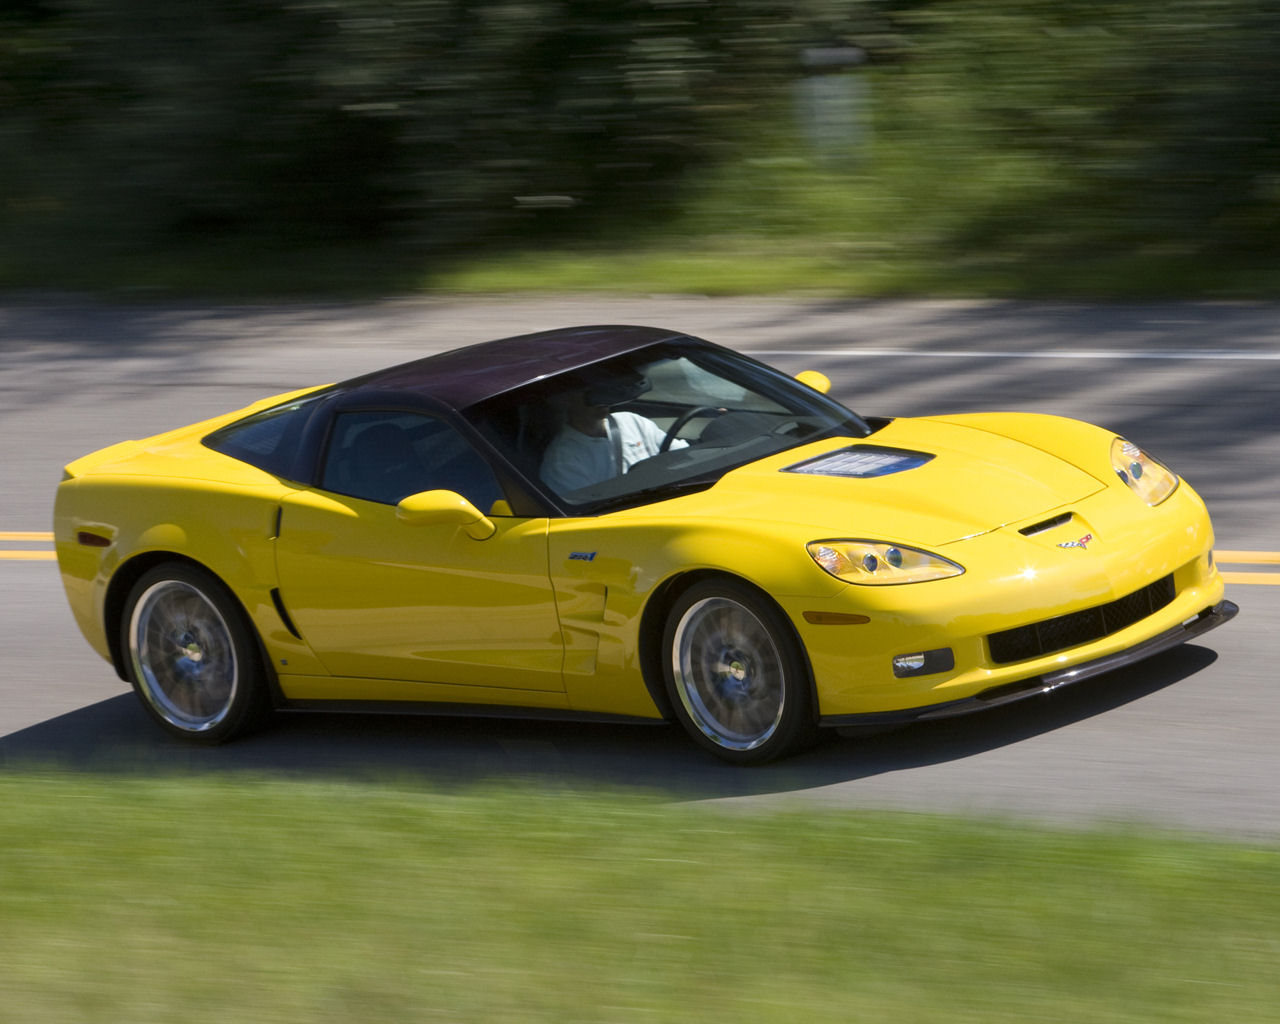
[(27, 554), (1263, 579), (1248, 557)]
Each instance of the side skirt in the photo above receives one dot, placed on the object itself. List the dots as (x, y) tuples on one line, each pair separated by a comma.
[(451, 710)]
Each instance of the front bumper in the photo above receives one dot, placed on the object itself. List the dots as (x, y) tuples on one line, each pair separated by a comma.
[(1008, 693)]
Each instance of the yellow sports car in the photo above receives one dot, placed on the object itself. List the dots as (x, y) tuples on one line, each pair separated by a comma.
[(623, 523)]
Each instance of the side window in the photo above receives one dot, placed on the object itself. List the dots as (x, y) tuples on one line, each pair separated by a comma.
[(386, 456), (268, 439)]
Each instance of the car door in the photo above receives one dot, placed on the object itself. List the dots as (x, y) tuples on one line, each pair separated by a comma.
[(376, 597)]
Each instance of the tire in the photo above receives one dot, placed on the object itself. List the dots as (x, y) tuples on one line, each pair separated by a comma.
[(736, 675), (192, 656)]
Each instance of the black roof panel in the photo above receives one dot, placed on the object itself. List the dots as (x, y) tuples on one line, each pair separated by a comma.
[(464, 376)]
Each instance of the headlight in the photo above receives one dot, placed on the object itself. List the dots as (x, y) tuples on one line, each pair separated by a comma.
[(1150, 480), (875, 563)]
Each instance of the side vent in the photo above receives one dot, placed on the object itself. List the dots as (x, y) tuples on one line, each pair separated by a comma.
[(278, 601)]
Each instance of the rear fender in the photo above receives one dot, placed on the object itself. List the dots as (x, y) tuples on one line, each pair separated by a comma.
[(228, 531)]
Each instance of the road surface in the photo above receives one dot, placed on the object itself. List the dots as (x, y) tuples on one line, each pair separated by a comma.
[(1185, 741)]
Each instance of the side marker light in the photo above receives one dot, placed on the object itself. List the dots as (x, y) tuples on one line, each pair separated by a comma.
[(836, 619)]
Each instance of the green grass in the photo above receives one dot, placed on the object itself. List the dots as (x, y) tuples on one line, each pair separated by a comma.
[(201, 900)]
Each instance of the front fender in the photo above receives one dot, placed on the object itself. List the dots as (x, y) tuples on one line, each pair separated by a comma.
[(1073, 441), (606, 571)]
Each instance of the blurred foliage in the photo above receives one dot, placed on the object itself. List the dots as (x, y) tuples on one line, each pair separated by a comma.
[(1143, 132), (435, 120), (1152, 123)]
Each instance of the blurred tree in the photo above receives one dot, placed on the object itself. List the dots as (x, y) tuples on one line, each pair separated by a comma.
[(347, 118), (444, 123), (1159, 118)]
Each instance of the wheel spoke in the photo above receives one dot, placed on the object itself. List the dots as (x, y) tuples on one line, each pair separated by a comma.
[(184, 655), (729, 673)]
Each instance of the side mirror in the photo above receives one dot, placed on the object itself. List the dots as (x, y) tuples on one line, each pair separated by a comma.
[(445, 508), (818, 381)]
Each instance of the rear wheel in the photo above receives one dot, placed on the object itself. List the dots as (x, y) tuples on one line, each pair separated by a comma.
[(736, 675), (192, 656)]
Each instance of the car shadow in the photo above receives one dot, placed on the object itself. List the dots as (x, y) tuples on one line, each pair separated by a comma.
[(115, 737)]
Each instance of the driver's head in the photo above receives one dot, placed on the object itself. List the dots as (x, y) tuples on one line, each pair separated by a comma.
[(596, 391), (611, 389)]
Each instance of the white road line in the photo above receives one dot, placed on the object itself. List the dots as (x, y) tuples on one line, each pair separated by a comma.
[(1079, 354)]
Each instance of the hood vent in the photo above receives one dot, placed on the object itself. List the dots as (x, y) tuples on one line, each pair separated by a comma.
[(1046, 526), (861, 461)]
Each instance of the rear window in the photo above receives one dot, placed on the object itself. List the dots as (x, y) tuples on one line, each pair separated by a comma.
[(268, 439)]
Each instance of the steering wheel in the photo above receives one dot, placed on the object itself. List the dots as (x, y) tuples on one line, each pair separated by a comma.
[(682, 419)]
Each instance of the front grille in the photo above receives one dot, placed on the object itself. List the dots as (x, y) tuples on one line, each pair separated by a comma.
[(1063, 631)]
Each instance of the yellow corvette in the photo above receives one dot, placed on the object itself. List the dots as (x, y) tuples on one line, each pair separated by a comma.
[(623, 523)]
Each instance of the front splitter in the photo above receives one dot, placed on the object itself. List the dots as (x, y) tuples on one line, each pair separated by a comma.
[(1035, 686)]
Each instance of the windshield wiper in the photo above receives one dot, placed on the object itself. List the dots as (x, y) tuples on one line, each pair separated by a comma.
[(658, 492)]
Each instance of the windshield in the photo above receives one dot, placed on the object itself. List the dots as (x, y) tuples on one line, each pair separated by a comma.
[(653, 423)]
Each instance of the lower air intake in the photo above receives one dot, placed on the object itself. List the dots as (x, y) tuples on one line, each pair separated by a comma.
[(1063, 631)]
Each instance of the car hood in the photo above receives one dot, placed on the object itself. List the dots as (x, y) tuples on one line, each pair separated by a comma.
[(915, 481)]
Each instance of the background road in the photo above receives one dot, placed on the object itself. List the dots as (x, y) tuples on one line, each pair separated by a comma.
[(1186, 740)]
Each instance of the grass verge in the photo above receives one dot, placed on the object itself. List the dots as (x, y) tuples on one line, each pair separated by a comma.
[(207, 900)]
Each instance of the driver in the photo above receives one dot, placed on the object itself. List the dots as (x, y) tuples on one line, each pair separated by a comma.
[(596, 444)]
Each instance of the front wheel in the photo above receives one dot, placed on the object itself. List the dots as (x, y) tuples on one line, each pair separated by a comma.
[(735, 673), (191, 655)]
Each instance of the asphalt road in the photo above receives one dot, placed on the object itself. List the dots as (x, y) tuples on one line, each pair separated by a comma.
[(1186, 740)]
